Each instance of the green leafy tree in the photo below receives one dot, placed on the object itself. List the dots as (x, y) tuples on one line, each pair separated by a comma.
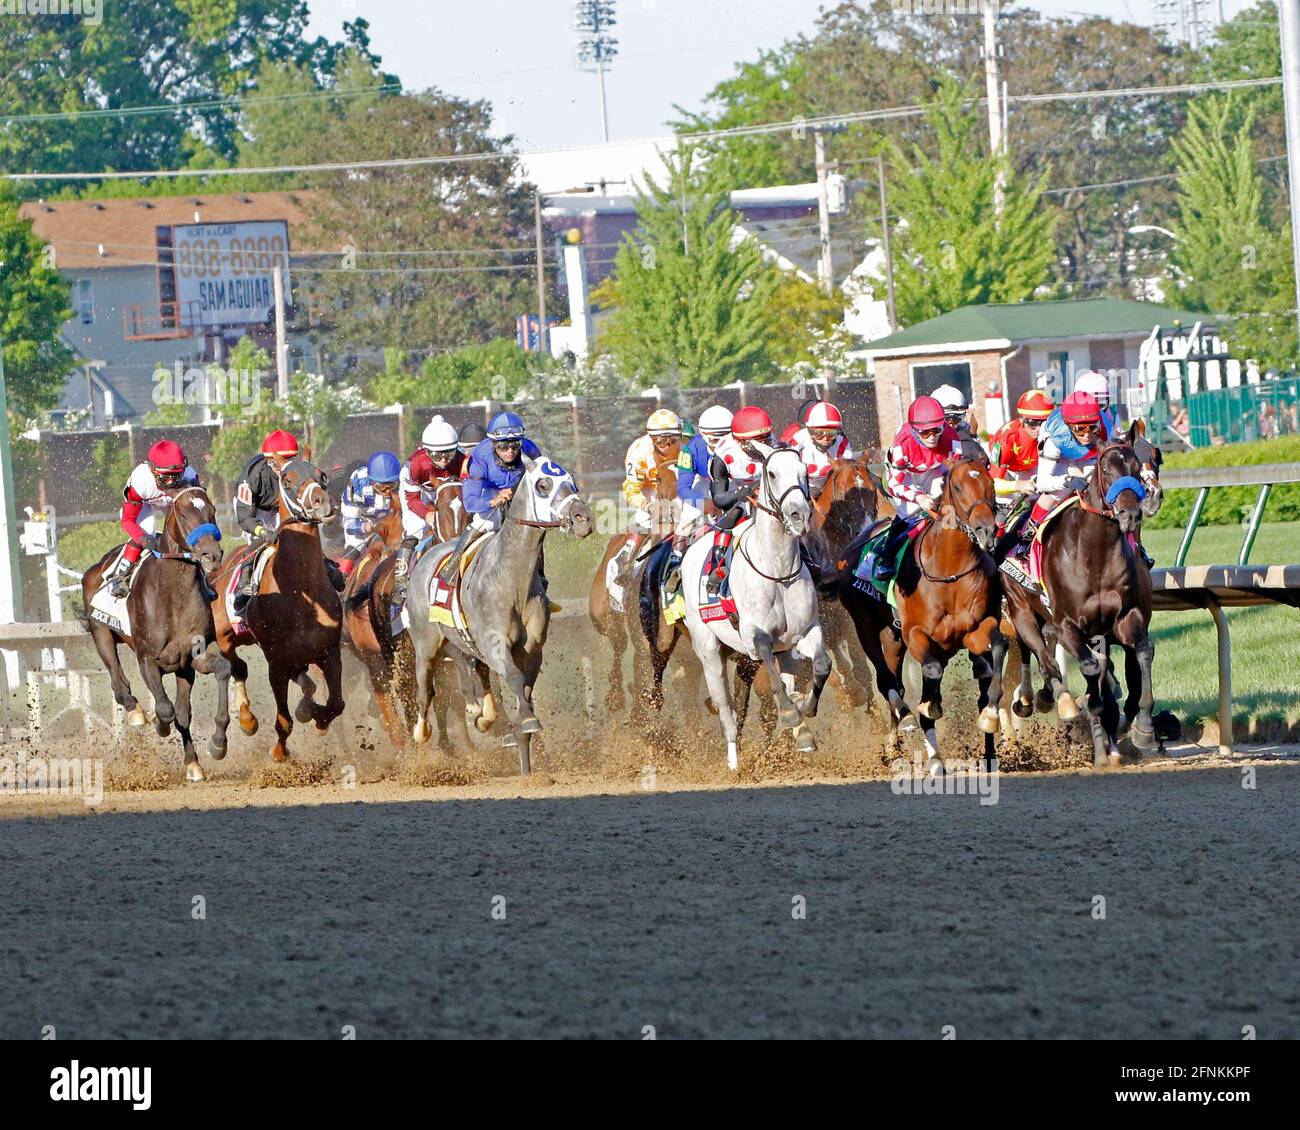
[(495, 369), (800, 313), (1228, 259), (687, 305), (34, 304), (954, 248)]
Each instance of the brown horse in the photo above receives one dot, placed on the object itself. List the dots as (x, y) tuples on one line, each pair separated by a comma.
[(450, 515), (172, 630), (1099, 593), (949, 598), (296, 615)]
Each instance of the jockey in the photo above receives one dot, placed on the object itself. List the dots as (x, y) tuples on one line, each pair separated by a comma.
[(437, 460), (257, 509), (915, 470), (1064, 470), (371, 494), (693, 483), (735, 468), (1013, 450), (956, 410), (1058, 431), (820, 442), (146, 495), (660, 445)]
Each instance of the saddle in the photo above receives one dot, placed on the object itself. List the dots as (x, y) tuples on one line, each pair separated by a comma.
[(264, 556), (107, 609), (721, 607), (444, 597), (868, 545), (1027, 571)]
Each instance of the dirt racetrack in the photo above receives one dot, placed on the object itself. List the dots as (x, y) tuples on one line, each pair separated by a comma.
[(327, 907)]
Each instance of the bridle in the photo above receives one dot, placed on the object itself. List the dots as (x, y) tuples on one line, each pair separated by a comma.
[(774, 509), (1122, 483), (193, 536), (537, 524), (962, 522), (297, 511)]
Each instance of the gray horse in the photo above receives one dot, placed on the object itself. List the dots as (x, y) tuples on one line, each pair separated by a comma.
[(506, 609)]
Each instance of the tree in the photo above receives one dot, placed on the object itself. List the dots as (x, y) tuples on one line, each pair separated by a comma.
[(494, 369), (34, 304), (1228, 261), (690, 304), (800, 315), (953, 247)]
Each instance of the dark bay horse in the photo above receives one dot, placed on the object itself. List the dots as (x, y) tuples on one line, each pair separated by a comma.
[(172, 630), (1098, 593), (296, 615)]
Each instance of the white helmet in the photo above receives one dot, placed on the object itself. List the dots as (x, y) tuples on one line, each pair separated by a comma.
[(952, 399), (663, 422), (439, 436), (715, 420), (1096, 383)]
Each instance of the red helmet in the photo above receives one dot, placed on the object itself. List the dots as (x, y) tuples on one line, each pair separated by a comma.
[(751, 423), (925, 412), (280, 442), (1081, 408), (1034, 404), (824, 414), (167, 462)]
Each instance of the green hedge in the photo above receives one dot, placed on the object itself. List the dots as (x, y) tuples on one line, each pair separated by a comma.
[(1230, 506), (81, 546)]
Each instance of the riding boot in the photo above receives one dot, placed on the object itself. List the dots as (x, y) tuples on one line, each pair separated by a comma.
[(626, 556), (1144, 556), (447, 574), (120, 579), (882, 569), (1026, 539), (673, 567), (336, 575), (402, 569), (716, 569)]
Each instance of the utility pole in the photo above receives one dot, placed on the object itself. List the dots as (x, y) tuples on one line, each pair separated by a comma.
[(1196, 27), (886, 249), (543, 343), (1289, 23), (993, 84), (11, 583), (824, 204), (592, 19), (281, 346)]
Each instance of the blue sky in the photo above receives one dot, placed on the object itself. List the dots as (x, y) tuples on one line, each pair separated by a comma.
[(519, 53)]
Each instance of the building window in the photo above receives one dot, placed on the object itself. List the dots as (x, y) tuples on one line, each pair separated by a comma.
[(1059, 363), (926, 378), (85, 302)]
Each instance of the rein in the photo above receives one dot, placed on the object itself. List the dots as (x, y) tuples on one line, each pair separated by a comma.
[(960, 521), (783, 580)]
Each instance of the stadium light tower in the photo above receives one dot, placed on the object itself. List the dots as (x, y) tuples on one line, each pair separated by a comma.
[(592, 20)]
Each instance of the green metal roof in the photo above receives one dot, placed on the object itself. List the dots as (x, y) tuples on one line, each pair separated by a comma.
[(1027, 321)]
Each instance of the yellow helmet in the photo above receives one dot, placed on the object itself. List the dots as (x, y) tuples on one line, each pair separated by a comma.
[(663, 422)]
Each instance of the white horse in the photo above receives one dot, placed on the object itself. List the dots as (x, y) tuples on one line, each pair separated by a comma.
[(776, 602)]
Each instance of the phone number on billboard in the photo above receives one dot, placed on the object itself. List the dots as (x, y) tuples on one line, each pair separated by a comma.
[(204, 258)]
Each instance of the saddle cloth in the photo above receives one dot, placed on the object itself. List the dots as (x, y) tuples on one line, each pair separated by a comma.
[(875, 539), (1027, 571), (444, 599), (107, 609), (721, 607), (264, 557)]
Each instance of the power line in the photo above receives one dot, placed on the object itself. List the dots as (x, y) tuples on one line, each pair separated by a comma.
[(704, 135)]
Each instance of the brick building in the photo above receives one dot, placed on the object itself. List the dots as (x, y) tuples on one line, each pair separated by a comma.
[(996, 352)]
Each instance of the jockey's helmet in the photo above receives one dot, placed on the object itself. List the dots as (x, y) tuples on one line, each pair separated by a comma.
[(953, 400), (823, 414), (280, 442), (663, 422), (439, 435), (1081, 408), (751, 423), (471, 435), (506, 425), (1034, 405), (715, 421), (384, 467), (925, 412), (1094, 383), (167, 462)]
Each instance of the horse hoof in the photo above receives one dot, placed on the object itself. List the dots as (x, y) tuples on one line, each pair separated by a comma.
[(279, 753), (1142, 738), (193, 772), (420, 732), (302, 712), (990, 723), (1102, 760), (733, 760), (161, 728), (250, 726), (1066, 708), (934, 767), (216, 750), (530, 726), (1022, 709), (482, 724), (931, 710), (137, 717), (907, 724), (711, 706), (1043, 702), (805, 743)]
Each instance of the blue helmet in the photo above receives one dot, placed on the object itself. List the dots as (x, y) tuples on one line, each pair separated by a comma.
[(506, 425), (384, 467)]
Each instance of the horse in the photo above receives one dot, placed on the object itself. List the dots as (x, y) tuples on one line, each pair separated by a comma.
[(296, 615), (1097, 593), (950, 598), (450, 515), (775, 601), (503, 600), (172, 629)]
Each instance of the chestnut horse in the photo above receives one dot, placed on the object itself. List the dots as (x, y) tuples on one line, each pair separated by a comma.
[(171, 623), (1098, 593), (296, 615)]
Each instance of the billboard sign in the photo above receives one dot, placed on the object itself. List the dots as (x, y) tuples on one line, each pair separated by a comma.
[(224, 272)]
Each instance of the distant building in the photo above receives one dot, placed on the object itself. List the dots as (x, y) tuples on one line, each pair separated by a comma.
[(125, 325)]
